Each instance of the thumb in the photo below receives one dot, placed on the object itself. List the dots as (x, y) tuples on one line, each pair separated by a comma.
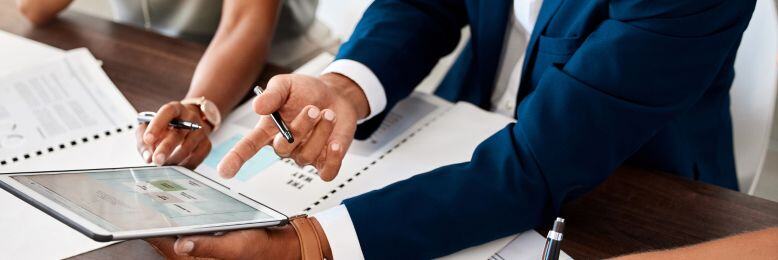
[(274, 95), (203, 246)]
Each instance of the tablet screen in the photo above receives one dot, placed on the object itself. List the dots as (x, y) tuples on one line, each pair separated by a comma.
[(139, 199)]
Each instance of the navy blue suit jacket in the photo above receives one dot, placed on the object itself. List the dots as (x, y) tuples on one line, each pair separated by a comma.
[(604, 83)]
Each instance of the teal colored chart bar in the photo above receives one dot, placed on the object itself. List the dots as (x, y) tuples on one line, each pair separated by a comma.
[(259, 162)]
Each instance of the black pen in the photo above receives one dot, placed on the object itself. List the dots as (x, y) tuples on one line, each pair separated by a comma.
[(146, 117), (554, 240), (277, 119)]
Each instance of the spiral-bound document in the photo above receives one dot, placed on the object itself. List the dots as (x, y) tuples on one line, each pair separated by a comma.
[(58, 111), (56, 106)]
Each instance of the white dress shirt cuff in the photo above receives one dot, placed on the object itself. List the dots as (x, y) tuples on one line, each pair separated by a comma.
[(340, 233), (366, 79)]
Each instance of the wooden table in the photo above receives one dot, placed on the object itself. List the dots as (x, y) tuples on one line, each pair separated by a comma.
[(634, 210)]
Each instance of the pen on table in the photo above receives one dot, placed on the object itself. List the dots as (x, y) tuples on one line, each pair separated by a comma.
[(277, 119), (146, 117), (554, 240)]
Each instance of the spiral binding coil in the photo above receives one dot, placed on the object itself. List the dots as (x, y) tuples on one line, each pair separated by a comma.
[(63, 146)]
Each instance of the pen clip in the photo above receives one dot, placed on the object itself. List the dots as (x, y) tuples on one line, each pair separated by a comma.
[(258, 90)]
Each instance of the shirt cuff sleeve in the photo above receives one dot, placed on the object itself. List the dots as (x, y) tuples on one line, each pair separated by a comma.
[(340, 233), (366, 79)]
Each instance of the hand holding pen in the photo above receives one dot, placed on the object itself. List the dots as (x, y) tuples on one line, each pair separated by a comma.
[(310, 120), (282, 128), (174, 135), (147, 117)]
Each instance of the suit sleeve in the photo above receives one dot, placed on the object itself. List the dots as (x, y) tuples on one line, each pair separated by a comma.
[(401, 41), (630, 77)]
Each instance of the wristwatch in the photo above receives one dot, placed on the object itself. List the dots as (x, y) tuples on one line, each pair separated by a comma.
[(208, 109)]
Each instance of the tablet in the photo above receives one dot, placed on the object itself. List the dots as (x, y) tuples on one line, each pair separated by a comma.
[(130, 203)]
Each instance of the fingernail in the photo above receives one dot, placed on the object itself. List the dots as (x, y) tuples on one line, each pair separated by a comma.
[(187, 247), (335, 147), (329, 115), (313, 112), (149, 138), (159, 159), (146, 156)]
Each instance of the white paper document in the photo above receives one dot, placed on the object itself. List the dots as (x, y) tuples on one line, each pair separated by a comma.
[(527, 246), (58, 104), (53, 99), (18, 52)]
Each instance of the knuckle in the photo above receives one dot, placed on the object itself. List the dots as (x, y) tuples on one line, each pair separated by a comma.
[(235, 155), (278, 79), (268, 131), (281, 150), (298, 161), (165, 108), (305, 158), (170, 107), (251, 145), (188, 146)]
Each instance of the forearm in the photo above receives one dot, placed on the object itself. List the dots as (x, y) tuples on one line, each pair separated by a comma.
[(41, 11), (236, 54), (754, 245)]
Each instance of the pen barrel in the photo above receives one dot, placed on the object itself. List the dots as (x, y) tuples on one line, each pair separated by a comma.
[(283, 129), (546, 250), (551, 250)]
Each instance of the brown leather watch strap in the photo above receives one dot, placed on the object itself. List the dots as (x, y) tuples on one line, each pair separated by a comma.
[(325, 244), (310, 245)]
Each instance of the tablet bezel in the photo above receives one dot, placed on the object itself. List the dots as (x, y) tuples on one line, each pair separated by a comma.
[(98, 233)]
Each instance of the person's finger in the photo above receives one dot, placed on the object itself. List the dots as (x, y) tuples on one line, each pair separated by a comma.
[(306, 154), (166, 146), (143, 149), (174, 138), (233, 245), (189, 144), (274, 96), (332, 161), (156, 127), (247, 147), (320, 160), (340, 140), (164, 246), (300, 128), (198, 155)]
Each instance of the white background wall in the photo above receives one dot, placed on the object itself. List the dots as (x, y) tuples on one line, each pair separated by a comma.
[(774, 140)]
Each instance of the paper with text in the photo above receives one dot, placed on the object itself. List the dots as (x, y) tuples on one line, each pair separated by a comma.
[(58, 104), (55, 84)]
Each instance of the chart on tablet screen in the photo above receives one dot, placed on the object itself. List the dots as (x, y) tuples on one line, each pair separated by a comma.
[(258, 163)]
